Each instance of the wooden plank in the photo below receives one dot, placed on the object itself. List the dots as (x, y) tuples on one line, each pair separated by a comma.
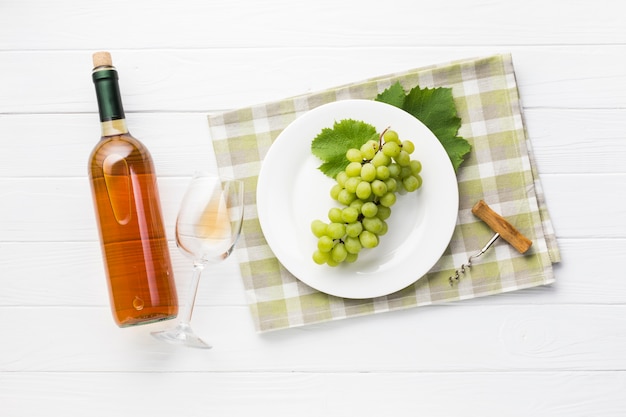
[(571, 205), (212, 79), (577, 141), (446, 338), (356, 23), (514, 394)]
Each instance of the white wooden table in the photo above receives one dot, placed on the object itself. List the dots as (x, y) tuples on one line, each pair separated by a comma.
[(550, 351)]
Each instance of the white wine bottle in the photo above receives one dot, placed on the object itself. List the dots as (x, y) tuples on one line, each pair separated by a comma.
[(128, 212)]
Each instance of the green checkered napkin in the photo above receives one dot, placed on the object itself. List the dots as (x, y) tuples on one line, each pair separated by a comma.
[(499, 170)]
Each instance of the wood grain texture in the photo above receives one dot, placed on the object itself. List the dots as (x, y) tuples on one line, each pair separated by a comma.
[(450, 338), (577, 77), (547, 351), (355, 23), (437, 394), (502, 227)]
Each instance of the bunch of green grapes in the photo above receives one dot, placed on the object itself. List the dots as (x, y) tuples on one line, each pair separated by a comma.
[(366, 191)]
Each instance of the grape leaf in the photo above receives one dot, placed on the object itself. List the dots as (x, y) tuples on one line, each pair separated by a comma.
[(394, 95), (331, 145), (436, 109)]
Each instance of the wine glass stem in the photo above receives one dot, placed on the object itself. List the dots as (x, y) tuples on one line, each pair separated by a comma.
[(187, 308)]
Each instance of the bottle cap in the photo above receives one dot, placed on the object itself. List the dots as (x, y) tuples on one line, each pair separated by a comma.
[(102, 59)]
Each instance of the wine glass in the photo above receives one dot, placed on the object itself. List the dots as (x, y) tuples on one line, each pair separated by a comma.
[(207, 228)]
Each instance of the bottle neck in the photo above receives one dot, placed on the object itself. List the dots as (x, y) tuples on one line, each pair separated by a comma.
[(112, 118), (114, 127)]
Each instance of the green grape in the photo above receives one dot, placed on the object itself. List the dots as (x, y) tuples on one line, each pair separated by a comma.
[(411, 183), (339, 253), (351, 257), (341, 178), (331, 261), (354, 155), (318, 228), (394, 170), (320, 257), (368, 239), (391, 136), (334, 215), (353, 245), (352, 183), (391, 149), (408, 146), (357, 204), (336, 230), (380, 159), (383, 212), (392, 185), (382, 172), (405, 172), (363, 190), (369, 149), (373, 224), (403, 158), (345, 197), (325, 244), (369, 209), (419, 180), (368, 172), (388, 199), (349, 214), (335, 190), (379, 188), (416, 166), (354, 229), (384, 230), (353, 169)]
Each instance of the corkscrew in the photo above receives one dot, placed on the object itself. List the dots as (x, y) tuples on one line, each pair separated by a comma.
[(503, 229)]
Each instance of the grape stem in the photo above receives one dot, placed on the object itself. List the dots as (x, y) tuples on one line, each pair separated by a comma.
[(380, 140)]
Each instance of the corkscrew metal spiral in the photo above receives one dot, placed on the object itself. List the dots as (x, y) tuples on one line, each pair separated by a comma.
[(502, 228), (467, 265)]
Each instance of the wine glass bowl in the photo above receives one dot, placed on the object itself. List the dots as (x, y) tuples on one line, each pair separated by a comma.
[(209, 222), (208, 226)]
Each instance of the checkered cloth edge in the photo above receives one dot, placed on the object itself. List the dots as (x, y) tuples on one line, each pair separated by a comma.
[(500, 170)]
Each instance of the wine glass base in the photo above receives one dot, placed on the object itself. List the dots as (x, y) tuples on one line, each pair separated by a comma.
[(182, 335)]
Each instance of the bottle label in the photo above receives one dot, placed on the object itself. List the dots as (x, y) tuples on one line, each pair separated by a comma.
[(114, 127)]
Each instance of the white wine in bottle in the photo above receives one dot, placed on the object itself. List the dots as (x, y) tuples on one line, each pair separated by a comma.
[(128, 211)]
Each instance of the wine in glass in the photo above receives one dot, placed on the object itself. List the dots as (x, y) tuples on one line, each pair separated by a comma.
[(207, 228)]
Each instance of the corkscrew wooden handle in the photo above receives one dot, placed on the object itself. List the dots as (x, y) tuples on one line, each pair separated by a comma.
[(499, 225)]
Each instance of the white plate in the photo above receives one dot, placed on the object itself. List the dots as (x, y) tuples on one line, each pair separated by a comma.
[(292, 192)]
